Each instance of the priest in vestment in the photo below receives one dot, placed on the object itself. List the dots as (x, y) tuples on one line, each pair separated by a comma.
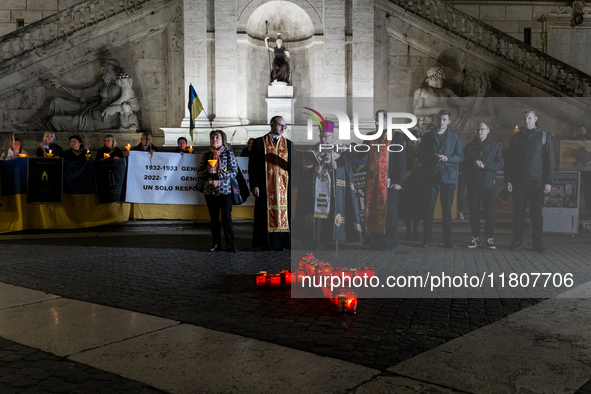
[(385, 174), (327, 208), (269, 169)]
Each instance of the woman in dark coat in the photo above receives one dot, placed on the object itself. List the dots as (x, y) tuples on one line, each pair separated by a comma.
[(110, 148), (49, 146), (76, 151)]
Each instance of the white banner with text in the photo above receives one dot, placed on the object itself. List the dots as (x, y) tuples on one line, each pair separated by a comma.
[(168, 178)]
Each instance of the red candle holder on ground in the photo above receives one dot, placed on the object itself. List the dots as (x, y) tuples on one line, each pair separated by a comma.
[(275, 281), (262, 279)]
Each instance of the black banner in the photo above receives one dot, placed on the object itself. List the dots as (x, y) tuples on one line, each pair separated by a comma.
[(109, 176), (44, 180)]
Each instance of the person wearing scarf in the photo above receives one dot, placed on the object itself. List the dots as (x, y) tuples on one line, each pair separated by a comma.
[(48, 144), (219, 166), (76, 151)]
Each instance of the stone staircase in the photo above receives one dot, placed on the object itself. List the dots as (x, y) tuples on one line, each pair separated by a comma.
[(71, 37), (412, 20)]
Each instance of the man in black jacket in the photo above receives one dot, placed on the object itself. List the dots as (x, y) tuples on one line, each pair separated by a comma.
[(440, 152), (529, 173), (482, 159)]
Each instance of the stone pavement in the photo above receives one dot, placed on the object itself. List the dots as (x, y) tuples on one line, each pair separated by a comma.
[(165, 274)]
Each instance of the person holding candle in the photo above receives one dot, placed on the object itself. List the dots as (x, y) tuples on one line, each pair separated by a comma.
[(14, 150), (48, 144), (219, 166), (145, 144), (76, 151), (181, 146), (109, 148)]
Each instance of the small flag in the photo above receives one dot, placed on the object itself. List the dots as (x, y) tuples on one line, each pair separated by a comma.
[(195, 108)]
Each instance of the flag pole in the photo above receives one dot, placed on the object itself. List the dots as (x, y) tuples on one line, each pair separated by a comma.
[(208, 119)]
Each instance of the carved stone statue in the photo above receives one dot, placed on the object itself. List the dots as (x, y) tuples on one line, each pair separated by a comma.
[(280, 71), (128, 103), (97, 107), (432, 97)]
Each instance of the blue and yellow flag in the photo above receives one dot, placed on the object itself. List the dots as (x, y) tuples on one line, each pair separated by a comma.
[(195, 108)]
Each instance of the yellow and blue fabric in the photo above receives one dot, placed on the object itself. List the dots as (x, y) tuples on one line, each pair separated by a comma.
[(80, 207)]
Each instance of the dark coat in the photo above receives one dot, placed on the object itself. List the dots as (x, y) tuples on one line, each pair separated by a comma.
[(492, 158), (55, 149), (396, 166), (258, 178), (430, 147), (528, 159), (69, 155), (116, 153), (139, 147)]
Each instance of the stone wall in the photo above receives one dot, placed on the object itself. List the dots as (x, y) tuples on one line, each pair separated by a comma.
[(511, 18), (150, 56), (29, 10)]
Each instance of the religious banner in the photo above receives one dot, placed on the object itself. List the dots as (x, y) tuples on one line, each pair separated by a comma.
[(575, 156), (561, 205), (44, 180), (359, 166), (109, 176), (162, 178)]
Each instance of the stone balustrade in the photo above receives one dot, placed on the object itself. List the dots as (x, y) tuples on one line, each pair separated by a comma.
[(61, 24), (565, 78)]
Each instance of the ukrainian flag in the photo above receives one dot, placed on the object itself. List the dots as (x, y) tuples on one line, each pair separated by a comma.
[(195, 107)]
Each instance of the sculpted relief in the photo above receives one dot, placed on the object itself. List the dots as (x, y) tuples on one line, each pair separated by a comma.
[(466, 112), (110, 104)]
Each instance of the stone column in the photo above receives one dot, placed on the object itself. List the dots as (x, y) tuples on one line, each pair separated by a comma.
[(195, 56), (363, 50), (335, 82), (226, 63)]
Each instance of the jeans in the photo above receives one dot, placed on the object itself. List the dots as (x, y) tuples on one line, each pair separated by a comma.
[(215, 204), (447, 198), (488, 197), (523, 193)]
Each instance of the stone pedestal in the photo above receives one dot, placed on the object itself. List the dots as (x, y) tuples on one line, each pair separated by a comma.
[(279, 99)]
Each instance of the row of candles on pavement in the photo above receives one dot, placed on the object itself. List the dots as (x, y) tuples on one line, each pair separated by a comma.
[(341, 299)]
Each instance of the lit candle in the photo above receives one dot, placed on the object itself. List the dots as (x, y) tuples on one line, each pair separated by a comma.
[(106, 155), (50, 154), (351, 303), (262, 279), (275, 281), (342, 304), (516, 129), (87, 155), (190, 149), (22, 155), (128, 147)]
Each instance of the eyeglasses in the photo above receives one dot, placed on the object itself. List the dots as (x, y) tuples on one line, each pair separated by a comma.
[(282, 126)]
